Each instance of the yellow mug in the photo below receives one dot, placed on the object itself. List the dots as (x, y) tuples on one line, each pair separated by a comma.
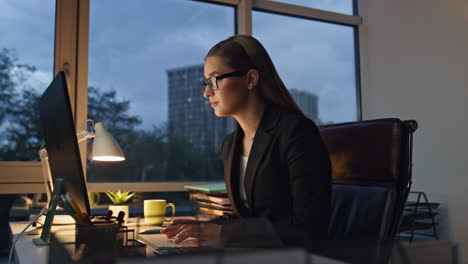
[(155, 211)]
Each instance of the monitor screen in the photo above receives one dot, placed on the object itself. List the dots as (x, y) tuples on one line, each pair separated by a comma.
[(61, 142)]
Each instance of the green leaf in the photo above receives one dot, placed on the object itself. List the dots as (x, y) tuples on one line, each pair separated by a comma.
[(119, 197), (127, 197), (111, 197)]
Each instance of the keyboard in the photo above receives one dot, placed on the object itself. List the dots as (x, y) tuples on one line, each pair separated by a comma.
[(157, 241)]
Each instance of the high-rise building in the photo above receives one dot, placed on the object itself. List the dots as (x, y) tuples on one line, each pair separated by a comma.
[(190, 114), (307, 102)]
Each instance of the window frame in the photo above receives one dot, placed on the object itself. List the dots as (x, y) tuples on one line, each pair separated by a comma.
[(71, 54)]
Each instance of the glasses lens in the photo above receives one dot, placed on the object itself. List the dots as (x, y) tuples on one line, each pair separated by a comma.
[(212, 84), (203, 85), (208, 83)]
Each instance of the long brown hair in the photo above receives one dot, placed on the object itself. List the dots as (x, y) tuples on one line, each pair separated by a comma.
[(242, 52)]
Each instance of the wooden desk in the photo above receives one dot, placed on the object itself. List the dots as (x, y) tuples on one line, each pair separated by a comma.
[(27, 252)]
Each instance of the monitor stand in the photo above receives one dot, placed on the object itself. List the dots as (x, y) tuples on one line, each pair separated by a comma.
[(45, 235)]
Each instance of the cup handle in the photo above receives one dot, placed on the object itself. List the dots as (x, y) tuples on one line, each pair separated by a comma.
[(98, 197), (173, 210)]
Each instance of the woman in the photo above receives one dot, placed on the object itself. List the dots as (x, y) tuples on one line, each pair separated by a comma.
[(275, 163)]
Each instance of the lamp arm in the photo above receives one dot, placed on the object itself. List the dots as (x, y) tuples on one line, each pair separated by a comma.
[(46, 171), (84, 134)]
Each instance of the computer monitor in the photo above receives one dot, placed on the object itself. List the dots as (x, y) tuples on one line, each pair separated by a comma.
[(61, 141)]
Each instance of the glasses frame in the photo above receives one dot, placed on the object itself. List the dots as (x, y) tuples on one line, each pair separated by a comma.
[(215, 79)]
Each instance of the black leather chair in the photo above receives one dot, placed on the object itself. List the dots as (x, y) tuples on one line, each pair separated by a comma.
[(371, 176), (372, 163)]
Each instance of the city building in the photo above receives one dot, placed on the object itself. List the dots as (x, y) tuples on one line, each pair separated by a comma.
[(190, 114), (307, 102)]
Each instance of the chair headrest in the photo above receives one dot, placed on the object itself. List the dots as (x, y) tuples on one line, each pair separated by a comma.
[(365, 152)]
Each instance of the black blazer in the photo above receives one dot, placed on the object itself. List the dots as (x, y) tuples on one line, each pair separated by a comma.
[(288, 175)]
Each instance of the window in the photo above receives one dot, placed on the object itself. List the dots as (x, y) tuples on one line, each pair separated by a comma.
[(316, 61), (338, 6), (25, 73), (141, 60), (144, 73)]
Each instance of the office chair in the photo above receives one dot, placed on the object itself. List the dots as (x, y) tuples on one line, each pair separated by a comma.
[(371, 176)]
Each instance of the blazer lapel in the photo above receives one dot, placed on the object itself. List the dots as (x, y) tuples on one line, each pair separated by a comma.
[(259, 148)]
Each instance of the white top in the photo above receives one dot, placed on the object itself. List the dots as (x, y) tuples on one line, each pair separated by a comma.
[(243, 166)]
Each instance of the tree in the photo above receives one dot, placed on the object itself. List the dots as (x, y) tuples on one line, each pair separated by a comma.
[(7, 90), (187, 162), (105, 107), (11, 75), (23, 133), (18, 110)]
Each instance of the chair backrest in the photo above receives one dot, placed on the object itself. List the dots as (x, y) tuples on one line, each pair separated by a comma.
[(371, 163)]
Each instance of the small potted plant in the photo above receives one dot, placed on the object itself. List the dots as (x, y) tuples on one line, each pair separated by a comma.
[(118, 198)]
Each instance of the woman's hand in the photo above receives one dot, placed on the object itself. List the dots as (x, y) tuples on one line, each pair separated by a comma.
[(200, 232)]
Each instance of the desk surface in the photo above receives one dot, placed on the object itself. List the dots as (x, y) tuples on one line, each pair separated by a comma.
[(423, 252), (27, 252)]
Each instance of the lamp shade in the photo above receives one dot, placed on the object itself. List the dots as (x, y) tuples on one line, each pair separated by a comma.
[(105, 147)]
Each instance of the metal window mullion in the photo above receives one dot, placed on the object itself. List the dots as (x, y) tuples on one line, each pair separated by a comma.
[(21, 188), (306, 12), (143, 186), (66, 43), (81, 85), (38, 187), (244, 17), (71, 56), (222, 2), (364, 68), (20, 172), (357, 73)]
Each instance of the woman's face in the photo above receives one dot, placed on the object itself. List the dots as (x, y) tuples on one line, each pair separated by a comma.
[(232, 91)]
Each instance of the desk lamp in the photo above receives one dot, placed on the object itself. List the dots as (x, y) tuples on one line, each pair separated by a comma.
[(105, 147)]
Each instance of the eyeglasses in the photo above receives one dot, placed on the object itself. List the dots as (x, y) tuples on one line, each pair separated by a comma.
[(212, 82)]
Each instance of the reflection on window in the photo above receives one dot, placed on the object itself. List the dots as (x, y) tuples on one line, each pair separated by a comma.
[(22, 205), (338, 6), (144, 72), (316, 62), (100, 203), (25, 73)]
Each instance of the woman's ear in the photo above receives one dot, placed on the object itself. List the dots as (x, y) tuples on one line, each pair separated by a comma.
[(252, 79)]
